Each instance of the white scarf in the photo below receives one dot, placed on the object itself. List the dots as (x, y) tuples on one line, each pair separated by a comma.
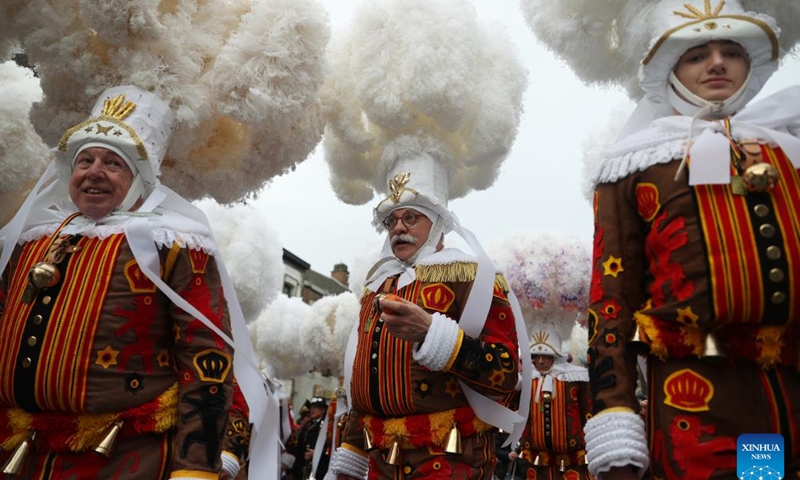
[(665, 139)]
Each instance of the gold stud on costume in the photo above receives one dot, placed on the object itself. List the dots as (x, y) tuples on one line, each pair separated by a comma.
[(106, 446), (453, 444), (14, 464)]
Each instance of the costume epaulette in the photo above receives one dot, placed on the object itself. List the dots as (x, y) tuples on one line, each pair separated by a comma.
[(500, 281), (448, 265), (451, 272)]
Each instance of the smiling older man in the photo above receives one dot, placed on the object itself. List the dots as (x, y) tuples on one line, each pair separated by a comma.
[(414, 363), (115, 325)]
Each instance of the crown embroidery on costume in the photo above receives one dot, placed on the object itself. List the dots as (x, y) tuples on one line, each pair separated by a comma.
[(213, 365), (398, 184), (117, 107), (696, 14)]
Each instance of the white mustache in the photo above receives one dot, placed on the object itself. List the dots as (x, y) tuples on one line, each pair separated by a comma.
[(404, 237)]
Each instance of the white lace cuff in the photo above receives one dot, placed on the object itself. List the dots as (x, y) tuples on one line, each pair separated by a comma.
[(615, 439), (347, 462), (287, 460), (230, 464), (438, 346)]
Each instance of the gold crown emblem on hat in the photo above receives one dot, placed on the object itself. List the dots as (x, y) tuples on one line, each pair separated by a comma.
[(117, 107), (696, 14), (540, 337), (213, 365), (398, 184)]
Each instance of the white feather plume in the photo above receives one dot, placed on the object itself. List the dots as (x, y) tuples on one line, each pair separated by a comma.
[(604, 45), (426, 71), (252, 252), (550, 275), (277, 334), (220, 148), (23, 155)]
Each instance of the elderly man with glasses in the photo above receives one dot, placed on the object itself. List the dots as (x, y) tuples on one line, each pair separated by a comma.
[(434, 357)]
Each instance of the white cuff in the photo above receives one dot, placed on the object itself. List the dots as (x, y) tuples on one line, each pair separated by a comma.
[(287, 460), (439, 344), (347, 462), (230, 464), (616, 439)]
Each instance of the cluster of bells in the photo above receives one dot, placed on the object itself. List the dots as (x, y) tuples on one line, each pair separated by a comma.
[(392, 457), (562, 465), (14, 464)]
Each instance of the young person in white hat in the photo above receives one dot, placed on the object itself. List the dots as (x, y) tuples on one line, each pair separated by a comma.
[(696, 252)]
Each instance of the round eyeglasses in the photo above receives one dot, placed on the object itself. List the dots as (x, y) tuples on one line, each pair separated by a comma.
[(408, 218)]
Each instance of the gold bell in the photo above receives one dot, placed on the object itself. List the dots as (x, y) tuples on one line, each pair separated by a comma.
[(537, 461), (636, 344), (453, 444), (368, 446), (562, 466), (760, 177), (44, 275), (393, 455), (14, 464), (107, 444), (711, 348)]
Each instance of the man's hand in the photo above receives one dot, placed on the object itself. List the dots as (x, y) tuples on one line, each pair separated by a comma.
[(309, 453), (405, 320), (512, 455)]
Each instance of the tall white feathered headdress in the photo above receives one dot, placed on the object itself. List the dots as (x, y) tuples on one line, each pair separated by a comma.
[(242, 77), (420, 87), (607, 46), (550, 275)]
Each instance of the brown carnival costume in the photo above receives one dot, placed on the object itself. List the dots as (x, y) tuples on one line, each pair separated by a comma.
[(115, 331), (700, 261), (410, 414)]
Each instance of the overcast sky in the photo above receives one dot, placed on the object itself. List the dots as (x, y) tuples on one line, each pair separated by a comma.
[(539, 187)]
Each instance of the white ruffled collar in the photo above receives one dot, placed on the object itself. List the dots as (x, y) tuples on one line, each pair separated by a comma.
[(666, 137)]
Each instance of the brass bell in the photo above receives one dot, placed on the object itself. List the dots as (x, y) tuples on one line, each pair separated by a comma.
[(44, 275), (368, 446), (453, 444), (760, 177), (711, 348), (393, 455), (107, 444), (562, 466), (636, 344), (537, 462), (14, 464)]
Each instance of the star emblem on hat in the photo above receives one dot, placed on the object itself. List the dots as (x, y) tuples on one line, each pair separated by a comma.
[(104, 130)]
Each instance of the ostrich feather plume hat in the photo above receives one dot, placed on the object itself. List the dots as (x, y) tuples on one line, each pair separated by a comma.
[(678, 25), (128, 120)]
